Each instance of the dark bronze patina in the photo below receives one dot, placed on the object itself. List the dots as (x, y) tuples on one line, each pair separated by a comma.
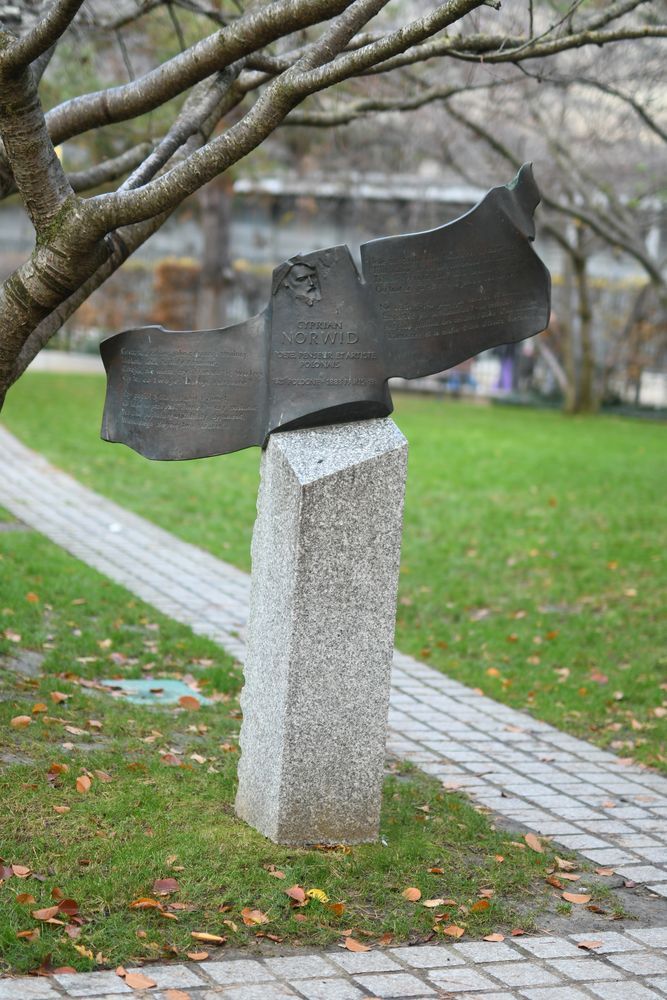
[(323, 349)]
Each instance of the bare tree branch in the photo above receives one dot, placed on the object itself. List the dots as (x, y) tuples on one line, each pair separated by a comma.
[(176, 75), (573, 211), (23, 51), (359, 109), (316, 69)]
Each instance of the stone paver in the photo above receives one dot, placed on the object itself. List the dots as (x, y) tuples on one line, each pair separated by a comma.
[(517, 766)]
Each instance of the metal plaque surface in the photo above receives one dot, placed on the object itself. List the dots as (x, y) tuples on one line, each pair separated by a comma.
[(324, 347)]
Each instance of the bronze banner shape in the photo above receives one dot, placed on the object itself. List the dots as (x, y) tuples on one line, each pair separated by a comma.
[(323, 349)]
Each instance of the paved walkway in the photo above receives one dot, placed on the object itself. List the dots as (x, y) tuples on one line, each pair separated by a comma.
[(525, 770), (625, 966)]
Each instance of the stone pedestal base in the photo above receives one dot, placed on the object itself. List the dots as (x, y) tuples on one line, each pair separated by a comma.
[(325, 559)]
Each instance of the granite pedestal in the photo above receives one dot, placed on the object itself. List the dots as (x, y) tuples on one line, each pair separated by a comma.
[(320, 638)]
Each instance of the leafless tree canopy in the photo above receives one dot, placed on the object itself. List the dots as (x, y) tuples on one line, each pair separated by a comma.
[(252, 67)]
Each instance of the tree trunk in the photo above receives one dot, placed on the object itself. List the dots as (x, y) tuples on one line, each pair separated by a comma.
[(217, 275), (587, 401)]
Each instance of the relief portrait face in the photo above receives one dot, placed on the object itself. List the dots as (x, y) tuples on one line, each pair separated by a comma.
[(303, 283)]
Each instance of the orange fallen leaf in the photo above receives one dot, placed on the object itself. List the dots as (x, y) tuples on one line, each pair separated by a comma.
[(20, 721), (57, 893), (58, 697), (39, 707), (554, 881), (353, 945), (453, 931), (517, 932), (61, 809), (337, 908), (103, 777), (481, 904), (589, 945), (412, 894), (32, 935), (83, 783), (605, 871), (189, 702), (31, 597), (534, 843), (25, 897), (138, 981), (436, 871), (431, 903), (177, 995), (210, 938), (300, 918), (576, 897), (145, 903), (494, 937), (251, 917), (197, 956)]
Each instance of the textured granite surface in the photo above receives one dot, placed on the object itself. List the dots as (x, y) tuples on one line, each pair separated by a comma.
[(326, 551)]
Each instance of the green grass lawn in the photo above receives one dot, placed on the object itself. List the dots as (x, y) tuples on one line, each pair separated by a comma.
[(533, 553), (160, 803)]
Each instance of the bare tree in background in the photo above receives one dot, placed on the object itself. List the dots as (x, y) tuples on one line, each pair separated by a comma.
[(231, 88)]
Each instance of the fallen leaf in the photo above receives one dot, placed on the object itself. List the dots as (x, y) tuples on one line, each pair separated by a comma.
[(197, 956), (534, 843), (165, 886), (412, 894), (103, 777), (353, 945), (481, 904), (171, 760), (45, 914), (32, 597), (20, 721), (138, 981), (210, 938), (453, 931), (318, 894), (300, 918), (39, 707), (189, 702), (517, 932), (25, 897), (57, 893), (589, 945), (58, 697), (69, 906), (576, 897), (494, 937), (83, 783), (566, 866), (296, 893), (605, 871), (145, 903), (32, 935), (251, 917), (436, 871), (82, 950), (337, 908), (570, 877), (431, 903), (554, 881), (177, 995)]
